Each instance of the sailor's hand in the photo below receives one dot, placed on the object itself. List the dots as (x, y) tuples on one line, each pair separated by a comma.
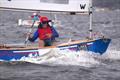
[(29, 33)]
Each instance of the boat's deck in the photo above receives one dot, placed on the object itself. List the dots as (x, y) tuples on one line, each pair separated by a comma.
[(24, 47)]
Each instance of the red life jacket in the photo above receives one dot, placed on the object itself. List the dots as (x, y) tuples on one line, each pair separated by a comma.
[(43, 33)]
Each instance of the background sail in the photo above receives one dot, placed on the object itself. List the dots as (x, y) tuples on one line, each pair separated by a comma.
[(47, 5), (56, 1)]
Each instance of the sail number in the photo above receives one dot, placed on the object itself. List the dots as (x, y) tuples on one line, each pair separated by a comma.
[(82, 6)]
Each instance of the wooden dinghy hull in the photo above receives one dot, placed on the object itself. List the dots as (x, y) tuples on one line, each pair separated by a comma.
[(98, 46)]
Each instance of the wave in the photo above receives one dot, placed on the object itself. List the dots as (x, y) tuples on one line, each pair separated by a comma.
[(66, 57), (56, 57), (80, 58)]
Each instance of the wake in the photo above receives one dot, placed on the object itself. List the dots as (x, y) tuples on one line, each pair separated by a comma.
[(80, 58)]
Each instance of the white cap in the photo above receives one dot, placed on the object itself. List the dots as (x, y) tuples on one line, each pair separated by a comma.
[(34, 13)]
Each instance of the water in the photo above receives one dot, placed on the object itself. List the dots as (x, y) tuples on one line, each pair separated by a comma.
[(65, 65), (83, 67)]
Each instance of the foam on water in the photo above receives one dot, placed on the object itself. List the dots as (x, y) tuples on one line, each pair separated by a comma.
[(80, 58), (65, 57), (112, 55)]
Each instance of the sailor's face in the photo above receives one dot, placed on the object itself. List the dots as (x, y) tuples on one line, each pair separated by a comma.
[(44, 25)]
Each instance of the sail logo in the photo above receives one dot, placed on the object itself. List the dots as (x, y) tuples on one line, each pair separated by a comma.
[(82, 6)]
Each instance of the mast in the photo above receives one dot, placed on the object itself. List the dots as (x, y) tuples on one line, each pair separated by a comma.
[(91, 19)]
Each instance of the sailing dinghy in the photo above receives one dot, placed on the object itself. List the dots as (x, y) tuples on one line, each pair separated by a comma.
[(18, 52)]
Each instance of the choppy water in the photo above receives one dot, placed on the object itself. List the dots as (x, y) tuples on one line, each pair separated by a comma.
[(59, 65), (66, 67)]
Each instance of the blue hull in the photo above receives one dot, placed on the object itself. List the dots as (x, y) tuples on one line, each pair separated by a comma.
[(11, 55), (98, 46)]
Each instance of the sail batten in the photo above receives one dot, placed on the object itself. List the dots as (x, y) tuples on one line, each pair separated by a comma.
[(78, 6)]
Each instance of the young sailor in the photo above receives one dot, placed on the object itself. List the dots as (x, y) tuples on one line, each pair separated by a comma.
[(35, 16), (44, 32), (36, 34)]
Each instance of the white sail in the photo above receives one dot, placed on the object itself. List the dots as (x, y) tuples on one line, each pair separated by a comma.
[(47, 5)]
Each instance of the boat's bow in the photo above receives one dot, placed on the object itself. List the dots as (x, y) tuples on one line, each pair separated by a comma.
[(99, 46)]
